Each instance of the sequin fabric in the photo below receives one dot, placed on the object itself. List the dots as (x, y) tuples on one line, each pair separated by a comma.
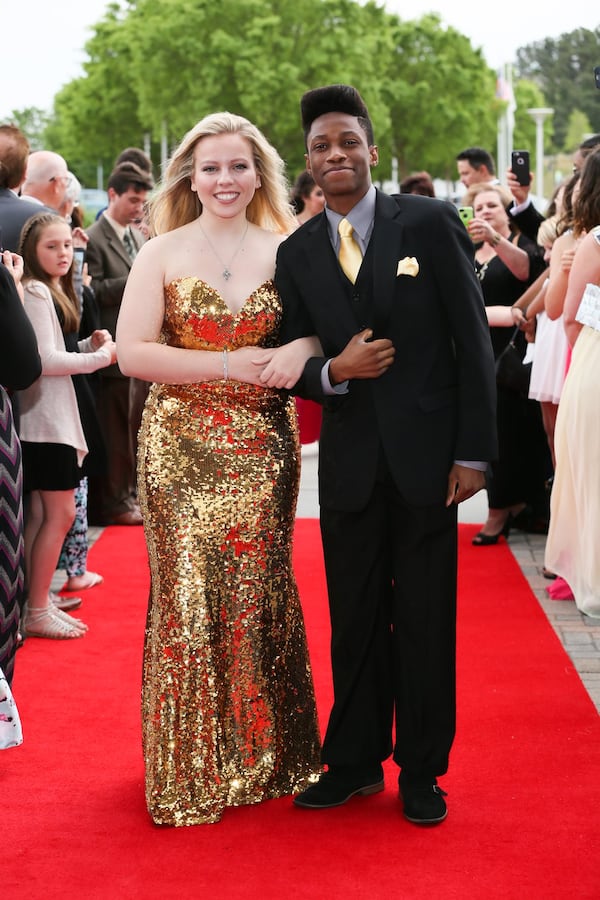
[(227, 701)]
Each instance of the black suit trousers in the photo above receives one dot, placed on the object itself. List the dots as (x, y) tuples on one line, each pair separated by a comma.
[(391, 575)]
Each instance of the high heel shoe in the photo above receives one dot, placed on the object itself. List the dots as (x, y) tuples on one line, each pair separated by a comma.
[(486, 540)]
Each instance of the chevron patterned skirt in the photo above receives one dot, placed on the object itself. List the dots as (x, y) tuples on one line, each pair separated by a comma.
[(11, 537)]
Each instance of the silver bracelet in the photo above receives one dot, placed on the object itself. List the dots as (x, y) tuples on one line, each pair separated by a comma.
[(225, 366)]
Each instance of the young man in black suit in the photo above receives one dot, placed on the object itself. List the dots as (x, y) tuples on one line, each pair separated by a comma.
[(407, 383)]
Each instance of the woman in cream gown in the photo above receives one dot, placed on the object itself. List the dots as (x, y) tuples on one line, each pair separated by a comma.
[(228, 707), (572, 545)]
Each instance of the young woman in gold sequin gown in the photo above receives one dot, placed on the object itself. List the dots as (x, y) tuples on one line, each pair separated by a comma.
[(227, 703)]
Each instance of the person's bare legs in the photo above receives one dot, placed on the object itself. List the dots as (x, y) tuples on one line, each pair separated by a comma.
[(49, 518), (497, 518), (549, 413), (498, 523), (33, 520)]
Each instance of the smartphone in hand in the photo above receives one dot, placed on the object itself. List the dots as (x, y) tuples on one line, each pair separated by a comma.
[(466, 214), (78, 258), (519, 165)]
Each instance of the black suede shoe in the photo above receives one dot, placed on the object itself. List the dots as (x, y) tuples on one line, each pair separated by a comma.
[(336, 786), (423, 800)]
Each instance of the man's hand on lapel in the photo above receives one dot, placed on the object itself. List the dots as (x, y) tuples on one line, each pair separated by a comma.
[(362, 358), (463, 482)]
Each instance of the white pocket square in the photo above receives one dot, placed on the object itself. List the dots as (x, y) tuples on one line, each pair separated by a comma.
[(408, 266)]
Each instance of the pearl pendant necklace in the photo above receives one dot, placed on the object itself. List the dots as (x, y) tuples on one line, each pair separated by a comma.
[(226, 273)]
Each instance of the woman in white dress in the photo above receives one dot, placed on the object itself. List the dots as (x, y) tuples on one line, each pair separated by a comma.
[(549, 365)]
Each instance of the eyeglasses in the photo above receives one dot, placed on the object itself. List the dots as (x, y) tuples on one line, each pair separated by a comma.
[(65, 178)]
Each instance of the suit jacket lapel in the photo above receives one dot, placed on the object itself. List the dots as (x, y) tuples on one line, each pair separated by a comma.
[(387, 238), (114, 242)]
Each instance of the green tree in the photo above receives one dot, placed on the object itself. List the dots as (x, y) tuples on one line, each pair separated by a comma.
[(252, 57), (440, 95), (96, 116), (529, 96), (169, 62), (563, 69), (160, 64), (33, 122), (578, 127)]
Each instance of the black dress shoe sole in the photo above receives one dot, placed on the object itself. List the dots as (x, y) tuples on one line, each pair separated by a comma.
[(435, 821), (364, 791)]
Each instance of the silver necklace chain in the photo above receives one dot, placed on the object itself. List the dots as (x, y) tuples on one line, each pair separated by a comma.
[(226, 273)]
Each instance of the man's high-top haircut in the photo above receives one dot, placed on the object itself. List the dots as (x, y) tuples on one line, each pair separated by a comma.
[(341, 98)]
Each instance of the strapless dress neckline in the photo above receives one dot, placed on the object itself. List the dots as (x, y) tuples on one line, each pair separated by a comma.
[(214, 290)]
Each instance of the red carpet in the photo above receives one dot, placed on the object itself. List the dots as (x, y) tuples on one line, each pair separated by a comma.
[(523, 784)]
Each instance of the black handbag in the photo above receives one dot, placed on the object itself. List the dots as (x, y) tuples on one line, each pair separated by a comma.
[(511, 373)]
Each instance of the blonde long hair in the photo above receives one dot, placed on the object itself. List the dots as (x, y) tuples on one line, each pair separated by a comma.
[(175, 204), (65, 298)]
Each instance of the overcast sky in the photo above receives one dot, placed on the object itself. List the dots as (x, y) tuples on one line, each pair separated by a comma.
[(43, 49)]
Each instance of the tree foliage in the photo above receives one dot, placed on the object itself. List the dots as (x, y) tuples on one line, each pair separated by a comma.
[(440, 95), (563, 69), (33, 122), (96, 116), (528, 96), (252, 57), (577, 126), (163, 64)]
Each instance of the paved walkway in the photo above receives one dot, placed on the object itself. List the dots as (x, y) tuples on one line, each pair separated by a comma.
[(579, 635)]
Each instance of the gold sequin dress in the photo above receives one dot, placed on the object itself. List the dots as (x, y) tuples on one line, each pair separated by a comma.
[(227, 701)]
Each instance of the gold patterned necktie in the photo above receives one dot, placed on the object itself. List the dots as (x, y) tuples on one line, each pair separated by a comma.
[(350, 256), (129, 244)]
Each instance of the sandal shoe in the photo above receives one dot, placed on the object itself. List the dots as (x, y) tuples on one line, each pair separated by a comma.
[(65, 603), (70, 619), (61, 613), (83, 582), (486, 540), (51, 623)]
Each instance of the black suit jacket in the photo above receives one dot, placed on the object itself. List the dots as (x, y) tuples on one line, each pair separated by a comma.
[(109, 266), (437, 402), (528, 222), (14, 212)]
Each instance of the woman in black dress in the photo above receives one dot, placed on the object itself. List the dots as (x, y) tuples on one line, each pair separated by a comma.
[(506, 264)]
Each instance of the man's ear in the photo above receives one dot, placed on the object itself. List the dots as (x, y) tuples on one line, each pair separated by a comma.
[(373, 155), (306, 159)]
